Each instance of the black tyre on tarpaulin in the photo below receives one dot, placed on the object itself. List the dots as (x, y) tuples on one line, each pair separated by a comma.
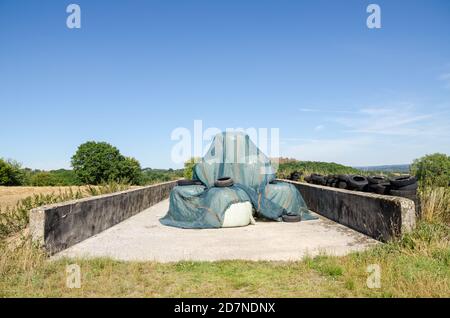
[(223, 182), (291, 218), (182, 183)]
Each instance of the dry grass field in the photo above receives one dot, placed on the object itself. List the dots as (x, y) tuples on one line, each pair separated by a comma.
[(9, 196)]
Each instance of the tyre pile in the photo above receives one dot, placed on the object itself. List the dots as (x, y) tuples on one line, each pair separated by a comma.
[(402, 186)]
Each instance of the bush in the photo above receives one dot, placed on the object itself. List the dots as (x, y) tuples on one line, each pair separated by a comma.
[(432, 170), (10, 173), (60, 177), (41, 179), (97, 162), (65, 177), (150, 176)]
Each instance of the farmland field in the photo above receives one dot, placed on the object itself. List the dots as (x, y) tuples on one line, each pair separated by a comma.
[(9, 196)]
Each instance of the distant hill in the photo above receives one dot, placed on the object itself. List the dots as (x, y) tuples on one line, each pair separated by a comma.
[(288, 165), (404, 168), (307, 167)]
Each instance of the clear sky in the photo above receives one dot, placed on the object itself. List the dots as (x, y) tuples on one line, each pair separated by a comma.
[(136, 70)]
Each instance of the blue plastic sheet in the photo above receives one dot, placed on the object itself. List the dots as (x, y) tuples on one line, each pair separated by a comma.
[(233, 155)]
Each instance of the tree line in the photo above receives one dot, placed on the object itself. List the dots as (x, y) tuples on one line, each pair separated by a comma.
[(99, 162), (93, 163)]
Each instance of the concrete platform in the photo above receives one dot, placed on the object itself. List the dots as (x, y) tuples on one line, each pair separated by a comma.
[(143, 238)]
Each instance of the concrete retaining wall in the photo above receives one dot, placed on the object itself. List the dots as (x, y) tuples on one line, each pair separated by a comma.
[(379, 216), (58, 226)]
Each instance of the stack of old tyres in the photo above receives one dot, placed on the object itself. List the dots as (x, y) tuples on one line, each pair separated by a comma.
[(333, 181), (328, 180), (356, 182), (406, 187), (379, 184), (317, 179), (402, 186), (342, 181)]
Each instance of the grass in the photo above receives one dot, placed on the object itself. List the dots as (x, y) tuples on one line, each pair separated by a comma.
[(435, 204), (418, 265)]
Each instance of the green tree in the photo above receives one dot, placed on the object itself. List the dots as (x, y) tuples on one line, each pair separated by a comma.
[(130, 169), (11, 173), (97, 162), (432, 170)]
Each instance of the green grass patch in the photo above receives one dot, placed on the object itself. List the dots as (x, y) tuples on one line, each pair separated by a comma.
[(415, 266)]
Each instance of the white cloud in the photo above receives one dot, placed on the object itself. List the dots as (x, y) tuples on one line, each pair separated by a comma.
[(307, 110), (387, 134), (400, 120), (395, 119), (365, 150), (318, 110), (319, 127)]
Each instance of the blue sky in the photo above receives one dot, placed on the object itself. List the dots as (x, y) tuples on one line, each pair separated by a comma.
[(136, 70)]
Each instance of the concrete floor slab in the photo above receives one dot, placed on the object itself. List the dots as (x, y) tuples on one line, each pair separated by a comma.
[(143, 238)]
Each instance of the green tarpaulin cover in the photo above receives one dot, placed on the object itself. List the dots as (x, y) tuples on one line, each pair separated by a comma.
[(234, 155)]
